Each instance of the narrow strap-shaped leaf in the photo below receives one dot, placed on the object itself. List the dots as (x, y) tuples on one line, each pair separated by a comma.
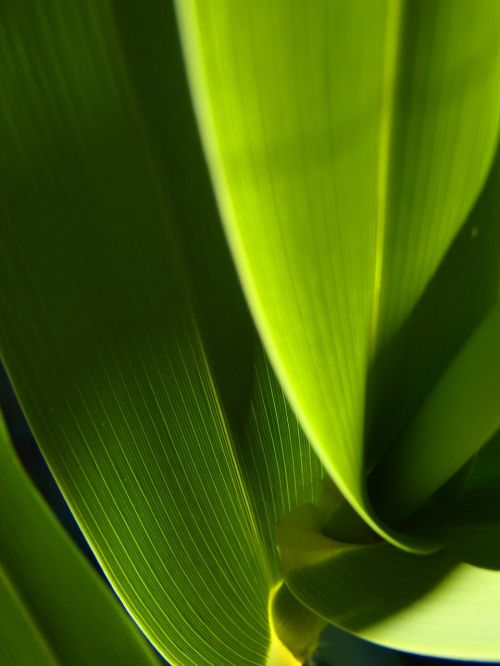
[(20, 641), (115, 362), (54, 609), (347, 143)]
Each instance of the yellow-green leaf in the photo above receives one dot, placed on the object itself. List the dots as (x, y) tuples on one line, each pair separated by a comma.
[(347, 144)]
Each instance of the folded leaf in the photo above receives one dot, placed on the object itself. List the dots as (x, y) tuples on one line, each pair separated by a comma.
[(54, 609), (462, 297), (347, 144)]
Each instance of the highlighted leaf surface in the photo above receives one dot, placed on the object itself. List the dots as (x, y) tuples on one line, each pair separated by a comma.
[(423, 604), (120, 325), (347, 142)]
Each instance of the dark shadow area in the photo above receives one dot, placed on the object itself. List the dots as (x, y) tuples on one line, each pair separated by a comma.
[(480, 548), (478, 507), (151, 47), (457, 298), (338, 648), (36, 467), (455, 301), (362, 586)]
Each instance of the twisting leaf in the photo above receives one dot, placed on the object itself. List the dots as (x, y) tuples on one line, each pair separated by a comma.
[(458, 297), (409, 602), (446, 604), (439, 441)]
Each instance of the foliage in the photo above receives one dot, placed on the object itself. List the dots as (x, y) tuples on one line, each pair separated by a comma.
[(351, 150)]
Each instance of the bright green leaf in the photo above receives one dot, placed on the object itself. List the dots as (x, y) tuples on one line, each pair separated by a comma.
[(347, 143)]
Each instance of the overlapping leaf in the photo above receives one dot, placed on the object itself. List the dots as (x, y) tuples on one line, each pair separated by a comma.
[(140, 375), (479, 504), (54, 610), (347, 143), (423, 604), (437, 605), (159, 426)]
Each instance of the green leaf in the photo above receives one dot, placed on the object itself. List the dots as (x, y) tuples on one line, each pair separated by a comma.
[(461, 293), (439, 432), (163, 425), (463, 298), (426, 606), (414, 603), (479, 504), (447, 604), (347, 144), (20, 640), (53, 607), (147, 392)]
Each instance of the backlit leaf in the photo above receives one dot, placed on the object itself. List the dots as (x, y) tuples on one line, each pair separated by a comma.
[(54, 609), (347, 144)]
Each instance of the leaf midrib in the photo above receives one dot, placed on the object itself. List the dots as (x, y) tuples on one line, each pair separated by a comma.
[(395, 16)]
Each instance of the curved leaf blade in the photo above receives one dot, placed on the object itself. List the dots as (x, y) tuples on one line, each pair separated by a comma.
[(113, 358), (340, 200), (408, 602), (459, 296), (53, 607)]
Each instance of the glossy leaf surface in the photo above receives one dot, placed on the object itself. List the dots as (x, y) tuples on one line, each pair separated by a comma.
[(122, 325)]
